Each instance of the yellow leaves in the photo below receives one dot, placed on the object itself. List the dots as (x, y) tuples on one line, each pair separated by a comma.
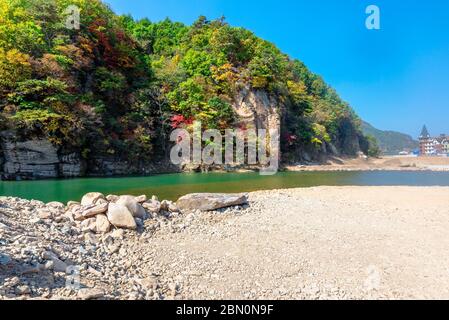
[(224, 73), (101, 29), (30, 117), (320, 133), (17, 30), (204, 116), (297, 88), (166, 67), (298, 91), (16, 57), (14, 67), (259, 82), (172, 64), (316, 141), (4, 8), (11, 10), (176, 59), (58, 128)]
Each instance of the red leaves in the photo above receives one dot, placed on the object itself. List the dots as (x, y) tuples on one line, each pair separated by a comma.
[(243, 127), (98, 28), (290, 138), (111, 43), (178, 121)]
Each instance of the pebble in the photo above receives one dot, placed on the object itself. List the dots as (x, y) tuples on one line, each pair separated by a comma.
[(24, 289), (4, 259), (90, 294)]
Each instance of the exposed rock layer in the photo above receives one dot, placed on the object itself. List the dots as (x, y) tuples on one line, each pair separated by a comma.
[(38, 158)]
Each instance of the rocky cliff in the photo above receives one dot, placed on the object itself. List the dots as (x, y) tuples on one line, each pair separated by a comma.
[(38, 158), (256, 109)]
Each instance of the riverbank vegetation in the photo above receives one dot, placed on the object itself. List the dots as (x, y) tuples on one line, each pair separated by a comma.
[(117, 86)]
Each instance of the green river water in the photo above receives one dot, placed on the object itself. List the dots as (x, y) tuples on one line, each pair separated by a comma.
[(172, 186)]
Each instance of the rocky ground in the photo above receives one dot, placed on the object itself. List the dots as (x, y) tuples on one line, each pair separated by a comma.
[(316, 243)]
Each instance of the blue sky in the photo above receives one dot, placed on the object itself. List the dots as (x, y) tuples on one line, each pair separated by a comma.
[(396, 78)]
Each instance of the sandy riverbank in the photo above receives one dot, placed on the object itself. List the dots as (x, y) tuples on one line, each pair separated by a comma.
[(387, 163), (316, 243)]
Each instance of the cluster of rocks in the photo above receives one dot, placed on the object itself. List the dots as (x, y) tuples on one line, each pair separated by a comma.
[(93, 248), (99, 214)]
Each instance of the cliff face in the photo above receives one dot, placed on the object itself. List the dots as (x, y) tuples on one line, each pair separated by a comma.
[(36, 159), (33, 158), (103, 99), (256, 109)]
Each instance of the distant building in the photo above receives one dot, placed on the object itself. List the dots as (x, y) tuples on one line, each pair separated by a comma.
[(425, 143), (445, 144), (430, 146)]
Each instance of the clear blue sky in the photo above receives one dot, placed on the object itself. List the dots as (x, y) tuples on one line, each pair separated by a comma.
[(396, 78)]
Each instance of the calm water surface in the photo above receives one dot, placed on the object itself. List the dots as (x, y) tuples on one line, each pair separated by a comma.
[(172, 186)]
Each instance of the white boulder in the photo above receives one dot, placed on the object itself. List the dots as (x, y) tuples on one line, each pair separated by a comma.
[(119, 216), (91, 198)]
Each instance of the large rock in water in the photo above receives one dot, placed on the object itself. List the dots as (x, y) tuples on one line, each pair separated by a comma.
[(210, 201)]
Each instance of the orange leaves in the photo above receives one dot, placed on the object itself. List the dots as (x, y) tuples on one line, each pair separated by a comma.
[(48, 66), (82, 56)]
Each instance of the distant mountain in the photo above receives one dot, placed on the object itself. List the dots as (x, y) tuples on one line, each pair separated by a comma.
[(390, 142)]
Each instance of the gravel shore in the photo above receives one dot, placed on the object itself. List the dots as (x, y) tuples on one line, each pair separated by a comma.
[(385, 163), (315, 243)]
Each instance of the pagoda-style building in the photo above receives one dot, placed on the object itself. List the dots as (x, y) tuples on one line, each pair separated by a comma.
[(424, 141), (429, 146)]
